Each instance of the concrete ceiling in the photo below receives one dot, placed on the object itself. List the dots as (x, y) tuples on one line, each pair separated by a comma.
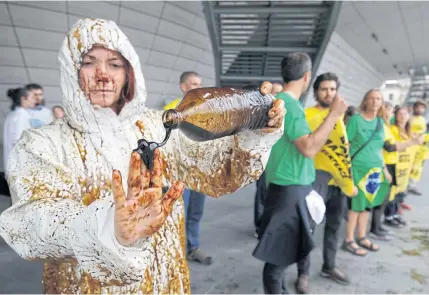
[(169, 37), (401, 28)]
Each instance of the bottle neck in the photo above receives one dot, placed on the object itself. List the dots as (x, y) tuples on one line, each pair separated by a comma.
[(171, 119)]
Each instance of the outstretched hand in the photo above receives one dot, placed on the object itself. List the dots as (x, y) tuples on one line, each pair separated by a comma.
[(143, 210)]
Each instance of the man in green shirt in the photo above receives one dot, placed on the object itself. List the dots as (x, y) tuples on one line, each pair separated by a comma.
[(285, 233)]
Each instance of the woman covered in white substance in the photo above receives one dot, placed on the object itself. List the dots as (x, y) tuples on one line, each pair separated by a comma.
[(97, 233)]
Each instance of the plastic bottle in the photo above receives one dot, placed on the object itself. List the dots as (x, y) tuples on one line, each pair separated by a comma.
[(210, 113)]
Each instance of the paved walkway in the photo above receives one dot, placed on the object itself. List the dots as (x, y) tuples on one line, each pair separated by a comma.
[(401, 266)]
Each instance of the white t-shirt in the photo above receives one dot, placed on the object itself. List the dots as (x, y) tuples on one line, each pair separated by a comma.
[(16, 122), (40, 117)]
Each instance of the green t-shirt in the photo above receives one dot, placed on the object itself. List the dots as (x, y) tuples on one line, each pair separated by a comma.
[(359, 131), (286, 165)]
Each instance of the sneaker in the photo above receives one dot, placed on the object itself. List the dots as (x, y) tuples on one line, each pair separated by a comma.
[(392, 223), (199, 256), (384, 230), (380, 236), (337, 275), (302, 285), (400, 220)]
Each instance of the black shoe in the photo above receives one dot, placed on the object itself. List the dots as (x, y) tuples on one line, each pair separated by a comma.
[(392, 223)]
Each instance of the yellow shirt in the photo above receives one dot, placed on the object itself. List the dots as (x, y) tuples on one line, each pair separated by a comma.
[(418, 124), (392, 157), (405, 160), (334, 157), (172, 105)]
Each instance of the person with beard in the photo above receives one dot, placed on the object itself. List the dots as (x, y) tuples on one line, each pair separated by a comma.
[(325, 90), (40, 115), (286, 225)]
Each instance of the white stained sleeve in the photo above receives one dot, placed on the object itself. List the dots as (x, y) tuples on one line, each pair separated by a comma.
[(220, 166), (48, 220)]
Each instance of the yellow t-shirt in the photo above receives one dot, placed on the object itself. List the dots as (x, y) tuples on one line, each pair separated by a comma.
[(405, 161), (334, 157), (172, 105), (392, 157), (418, 124)]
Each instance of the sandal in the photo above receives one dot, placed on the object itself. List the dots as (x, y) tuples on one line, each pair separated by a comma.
[(370, 247), (347, 246)]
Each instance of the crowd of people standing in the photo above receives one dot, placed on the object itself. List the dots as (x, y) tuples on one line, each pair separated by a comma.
[(383, 148)]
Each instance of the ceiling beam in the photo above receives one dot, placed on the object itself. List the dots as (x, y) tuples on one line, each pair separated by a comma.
[(247, 48), (289, 9), (251, 78)]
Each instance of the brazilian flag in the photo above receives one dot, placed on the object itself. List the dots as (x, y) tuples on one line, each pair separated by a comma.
[(372, 185)]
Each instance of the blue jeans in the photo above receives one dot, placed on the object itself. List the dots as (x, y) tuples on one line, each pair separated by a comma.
[(194, 209)]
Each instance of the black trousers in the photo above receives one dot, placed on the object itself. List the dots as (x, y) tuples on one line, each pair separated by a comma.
[(392, 209), (274, 277), (261, 191), (335, 202)]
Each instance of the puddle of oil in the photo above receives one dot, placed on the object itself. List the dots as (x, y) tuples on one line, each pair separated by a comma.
[(421, 235), (417, 277)]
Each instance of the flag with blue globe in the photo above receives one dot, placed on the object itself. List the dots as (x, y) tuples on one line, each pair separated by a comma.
[(372, 185)]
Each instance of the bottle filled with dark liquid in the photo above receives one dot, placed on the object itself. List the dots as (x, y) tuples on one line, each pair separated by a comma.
[(210, 113)]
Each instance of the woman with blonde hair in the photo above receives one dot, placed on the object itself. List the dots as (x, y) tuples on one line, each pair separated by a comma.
[(366, 135)]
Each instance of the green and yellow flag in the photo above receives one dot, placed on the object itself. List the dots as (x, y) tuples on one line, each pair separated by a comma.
[(372, 184)]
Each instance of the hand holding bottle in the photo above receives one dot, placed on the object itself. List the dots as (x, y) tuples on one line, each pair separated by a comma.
[(144, 209), (276, 116)]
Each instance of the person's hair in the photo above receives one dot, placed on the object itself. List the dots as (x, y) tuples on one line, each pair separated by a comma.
[(57, 107), (325, 77), (419, 102), (129, 89), (15, 95), (185, 75), (387, 105), (351, 111), (33, 86), (407, 125), (294, 66), (362, 106)]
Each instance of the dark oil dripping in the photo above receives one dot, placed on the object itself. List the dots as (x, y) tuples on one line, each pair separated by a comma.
[(146, 149)]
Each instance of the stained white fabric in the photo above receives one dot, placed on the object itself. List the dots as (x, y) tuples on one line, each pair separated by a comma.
[(52, 169)]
